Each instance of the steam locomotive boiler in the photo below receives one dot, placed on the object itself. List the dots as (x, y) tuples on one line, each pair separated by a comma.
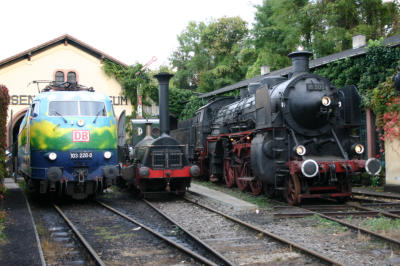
[(296, 136), (159, 164)]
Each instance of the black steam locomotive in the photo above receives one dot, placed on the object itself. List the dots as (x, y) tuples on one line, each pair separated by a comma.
[(160, 164), (296, 136)]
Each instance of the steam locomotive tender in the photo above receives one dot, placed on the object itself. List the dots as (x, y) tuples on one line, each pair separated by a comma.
[(67, 142), (295, 136), (158, 164)]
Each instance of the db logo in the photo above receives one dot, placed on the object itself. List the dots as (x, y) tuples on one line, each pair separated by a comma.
[(80, 136)]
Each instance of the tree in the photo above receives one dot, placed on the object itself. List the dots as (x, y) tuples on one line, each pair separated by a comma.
[(210, 56), (190, 58), (321, 26)]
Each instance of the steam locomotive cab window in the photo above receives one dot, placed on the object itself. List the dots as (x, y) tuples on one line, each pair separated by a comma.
[(72, 108), (155, 131)]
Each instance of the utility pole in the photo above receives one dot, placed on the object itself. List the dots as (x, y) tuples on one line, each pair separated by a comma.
[(139, 91)]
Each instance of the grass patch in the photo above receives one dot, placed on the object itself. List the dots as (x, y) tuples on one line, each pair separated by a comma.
[(328, 224), (22, 184), (261, 201), (382, 224), (107, 235)]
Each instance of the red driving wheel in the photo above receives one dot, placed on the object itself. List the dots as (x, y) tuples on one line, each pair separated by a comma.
[(242, 172), (292, 190), (229, 174), (256, 187)]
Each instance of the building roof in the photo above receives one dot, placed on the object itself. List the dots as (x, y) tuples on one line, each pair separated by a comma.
[(65, 39), (391, 41)]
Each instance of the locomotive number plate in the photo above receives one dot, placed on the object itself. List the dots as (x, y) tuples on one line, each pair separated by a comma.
[(315, 86), (81, 155)]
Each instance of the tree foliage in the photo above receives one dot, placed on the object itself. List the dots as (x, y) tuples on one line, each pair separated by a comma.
[(224, 51), (210, 56), (323, 27)]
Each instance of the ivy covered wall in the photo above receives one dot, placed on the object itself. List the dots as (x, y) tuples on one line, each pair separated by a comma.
[(4, 101)]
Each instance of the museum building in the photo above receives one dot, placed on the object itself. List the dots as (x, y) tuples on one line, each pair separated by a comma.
[(62, 59)]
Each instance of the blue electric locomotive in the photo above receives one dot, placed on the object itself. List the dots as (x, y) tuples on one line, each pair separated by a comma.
[(67, 142)]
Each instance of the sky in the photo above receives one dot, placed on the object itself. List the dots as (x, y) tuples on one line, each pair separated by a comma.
[(128, 30)]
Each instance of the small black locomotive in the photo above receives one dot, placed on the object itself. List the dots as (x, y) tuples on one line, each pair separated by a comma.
[(158, 164), (296, 136)]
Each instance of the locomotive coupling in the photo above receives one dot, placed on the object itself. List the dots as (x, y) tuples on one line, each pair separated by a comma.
[(144, 171), (194, 170), (54, 174), (110, 172)]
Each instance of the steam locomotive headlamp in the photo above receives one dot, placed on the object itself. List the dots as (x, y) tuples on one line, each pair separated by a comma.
[(309, 168), (144, 171), (52, 156), (107, 155), (300, 150), (326, 101), (359, 148), (373, 166)]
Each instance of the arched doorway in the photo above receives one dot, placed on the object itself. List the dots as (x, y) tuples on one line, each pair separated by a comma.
[(12, 132)]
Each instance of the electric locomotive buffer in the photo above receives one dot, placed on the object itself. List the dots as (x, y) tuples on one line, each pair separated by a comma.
[(295, 135), (67, 143)]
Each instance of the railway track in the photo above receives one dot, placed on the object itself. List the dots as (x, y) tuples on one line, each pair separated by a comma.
[(350, 209), (234, 244), (176, 243)]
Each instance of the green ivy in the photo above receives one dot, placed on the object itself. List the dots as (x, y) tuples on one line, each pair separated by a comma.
[(366, 72), (133, 80), (190, 108), (4, 101)]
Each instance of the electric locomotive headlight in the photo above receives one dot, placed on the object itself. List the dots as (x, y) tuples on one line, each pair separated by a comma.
[(52, 156), (300, 150), (326, 101), (359, 149), (81, 123), (107, 155)]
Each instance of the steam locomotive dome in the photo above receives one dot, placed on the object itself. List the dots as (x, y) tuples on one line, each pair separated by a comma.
[(307, 102)]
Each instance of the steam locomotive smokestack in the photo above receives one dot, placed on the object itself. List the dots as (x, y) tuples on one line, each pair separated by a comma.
[(300, 61), (163, 98)]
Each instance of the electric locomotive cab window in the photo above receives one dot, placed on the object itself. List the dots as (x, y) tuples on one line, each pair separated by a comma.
[(84, 108)]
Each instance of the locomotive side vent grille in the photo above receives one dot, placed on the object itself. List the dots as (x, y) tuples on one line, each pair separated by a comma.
[(164, 159)]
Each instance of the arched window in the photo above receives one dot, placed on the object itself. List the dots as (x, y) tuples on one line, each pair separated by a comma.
[(59, 77), (71, 77)]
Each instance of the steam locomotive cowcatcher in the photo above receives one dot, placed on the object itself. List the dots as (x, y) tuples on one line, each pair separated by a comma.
[(296, 136)]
